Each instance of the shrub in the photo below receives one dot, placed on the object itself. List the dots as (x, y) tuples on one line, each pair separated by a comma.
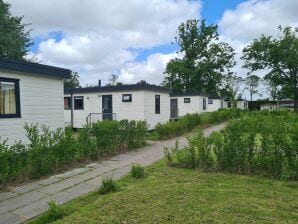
[(259, 143), (191, 121), (48, 150), (137, 171), (108, 185)]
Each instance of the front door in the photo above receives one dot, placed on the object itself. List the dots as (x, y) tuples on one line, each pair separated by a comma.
[(107, 107), (174, 108)]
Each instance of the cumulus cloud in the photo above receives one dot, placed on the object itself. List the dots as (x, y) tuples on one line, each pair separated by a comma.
[(98, 36), (150, 70), (251, 19)]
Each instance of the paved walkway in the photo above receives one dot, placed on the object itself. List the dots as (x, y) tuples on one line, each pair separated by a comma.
[(24, 202)]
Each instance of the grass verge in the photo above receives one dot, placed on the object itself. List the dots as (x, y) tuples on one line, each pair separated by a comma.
[(172, 195)]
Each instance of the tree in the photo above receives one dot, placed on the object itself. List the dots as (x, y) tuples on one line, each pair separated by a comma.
[(278, 56), (113, 80), (14, 39), (271, 82), (73, 82), (231, 85), (252, 82), (205, 59)]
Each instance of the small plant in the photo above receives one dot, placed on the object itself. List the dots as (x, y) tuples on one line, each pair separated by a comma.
[(137, 171), (108, 185), (54, 213)]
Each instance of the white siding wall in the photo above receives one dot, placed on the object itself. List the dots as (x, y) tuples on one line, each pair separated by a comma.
[(195, 105), (142, 107), (217, 104), (150, 116), (241, 104), (41, 100)]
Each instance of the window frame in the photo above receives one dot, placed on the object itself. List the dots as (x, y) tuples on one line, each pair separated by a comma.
[(74, 103), (17, 95), (125, 95), (70, 103), (157, 104), (210, 101), (187, 100), (204, 104)]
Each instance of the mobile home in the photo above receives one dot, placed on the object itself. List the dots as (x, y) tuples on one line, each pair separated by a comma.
[(146, 102), (29, 93), (187, 103), (216, 103)]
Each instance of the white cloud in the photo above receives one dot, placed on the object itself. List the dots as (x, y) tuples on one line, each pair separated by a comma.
[(253, 18), (150, 70), (97, 35)]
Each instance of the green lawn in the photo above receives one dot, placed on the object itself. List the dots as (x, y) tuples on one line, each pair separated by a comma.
[(172, 195)]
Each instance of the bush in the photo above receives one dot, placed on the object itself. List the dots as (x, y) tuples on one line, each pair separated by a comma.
[(191, 121), (259, 143), (108, 185), (48, 150), (137, 171)]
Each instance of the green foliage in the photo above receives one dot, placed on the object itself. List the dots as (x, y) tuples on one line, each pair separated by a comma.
[(54, 213), (252, 82), (14, 39), (205, 59), (191, 121), (137, 171), (108, 185), (277, 56), (259, 143), (73, 82), (48, 150)]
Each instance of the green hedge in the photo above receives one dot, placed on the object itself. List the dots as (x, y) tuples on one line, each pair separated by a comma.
[(259, 143), (48, 150), (190, 121)]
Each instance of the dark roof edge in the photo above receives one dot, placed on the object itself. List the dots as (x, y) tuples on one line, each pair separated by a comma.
[(188, 94), (34, 68), (128, 87)]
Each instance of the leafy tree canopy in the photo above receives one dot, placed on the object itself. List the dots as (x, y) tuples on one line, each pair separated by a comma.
[(14, 39), (73, 82), (277, 56), (204, 62)]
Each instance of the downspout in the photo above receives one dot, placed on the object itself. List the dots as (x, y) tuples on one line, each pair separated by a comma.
[(71, 110)]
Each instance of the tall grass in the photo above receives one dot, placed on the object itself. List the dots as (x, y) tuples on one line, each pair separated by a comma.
[(259, 143)]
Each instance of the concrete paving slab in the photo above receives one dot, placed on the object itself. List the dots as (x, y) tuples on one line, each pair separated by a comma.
[(29, 211), (52, 189), (22, 200), (9, 218), (26, 188), (7, 195), (48, 181)]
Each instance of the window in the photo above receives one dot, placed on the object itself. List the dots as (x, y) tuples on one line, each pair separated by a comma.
[(186, 100), (79, 103), (9, 98), (67, 103), (210, 101), (204, 103), (126, 98), (157, 104)]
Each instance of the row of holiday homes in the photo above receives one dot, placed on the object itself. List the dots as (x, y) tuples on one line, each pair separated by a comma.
[(33, 93)]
